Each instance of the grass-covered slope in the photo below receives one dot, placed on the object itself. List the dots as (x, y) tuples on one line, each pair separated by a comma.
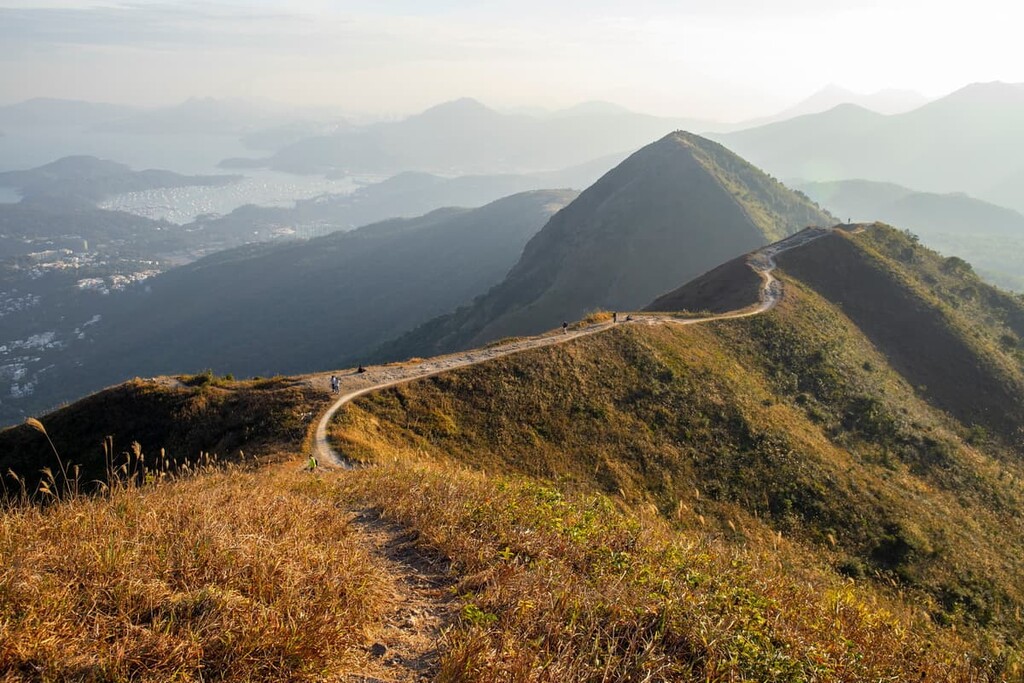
[(203, 417), (797, 422), (990, 237), (953, 337), (229, 576), (765, 499), (274, 575), (669, 212), (732, 286)]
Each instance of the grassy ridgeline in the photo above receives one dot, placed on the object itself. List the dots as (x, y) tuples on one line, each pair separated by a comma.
[(181, 420), (760, 499), (797, 422)]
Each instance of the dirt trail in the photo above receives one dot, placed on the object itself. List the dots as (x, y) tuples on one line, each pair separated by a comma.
[(354, 384), (406, 647)]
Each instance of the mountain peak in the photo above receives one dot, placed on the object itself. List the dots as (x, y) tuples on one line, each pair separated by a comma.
[(82, 166), (669, 212), (989, 93), (464, 106)]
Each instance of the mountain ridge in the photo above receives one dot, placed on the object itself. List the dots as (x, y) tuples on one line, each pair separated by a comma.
[(637, 232), (818, 501), (979, 126)]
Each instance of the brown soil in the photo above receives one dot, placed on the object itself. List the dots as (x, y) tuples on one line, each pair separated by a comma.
[(406, 646)]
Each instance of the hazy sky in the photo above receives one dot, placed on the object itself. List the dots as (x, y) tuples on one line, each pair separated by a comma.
[(721, 59)]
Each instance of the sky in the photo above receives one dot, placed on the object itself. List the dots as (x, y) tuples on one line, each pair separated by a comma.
[(723, 60)]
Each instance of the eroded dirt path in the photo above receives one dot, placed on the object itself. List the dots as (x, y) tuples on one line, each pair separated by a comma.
[(405, 648)]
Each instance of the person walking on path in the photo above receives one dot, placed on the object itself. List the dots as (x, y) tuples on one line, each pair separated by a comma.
[(615, 317), (565, 327)]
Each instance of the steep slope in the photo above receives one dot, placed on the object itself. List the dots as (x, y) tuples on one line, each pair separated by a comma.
[(295, 307), (813, 419), (954, 338), (990, 237), (906, 299), (761, 499), (184, 420), (731, 286), (667, 213), (970, 141)]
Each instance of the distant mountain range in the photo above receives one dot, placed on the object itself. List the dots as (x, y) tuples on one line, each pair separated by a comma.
[(831, 96), (200, 116), (666, 214), (300, 306), (990, 237), (406, 195), (465, 136), (970, 141)]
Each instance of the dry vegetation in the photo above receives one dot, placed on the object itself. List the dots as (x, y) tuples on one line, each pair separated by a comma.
[(559, 588), (755, 500), (223, 574), (259, 574), (182, 418)]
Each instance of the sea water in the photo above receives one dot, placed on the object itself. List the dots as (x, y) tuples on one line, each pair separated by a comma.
[(29, 147), (263, 188)]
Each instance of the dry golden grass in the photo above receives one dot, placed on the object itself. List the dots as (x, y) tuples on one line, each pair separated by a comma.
[(648, 415), (595, 318), (559, 589), (232, 575)]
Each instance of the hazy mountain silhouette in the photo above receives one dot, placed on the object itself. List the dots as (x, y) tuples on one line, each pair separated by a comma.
[(831, 96), (991, 237), (91, 179), (666, 214), (406, 194), (300, 306), (199, 116), (465, 136), (970, 141)]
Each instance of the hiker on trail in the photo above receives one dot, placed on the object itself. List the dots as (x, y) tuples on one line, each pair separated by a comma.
[(629, 318), (334, 384), (615, 317), (312, 464), (361, 370), (565, 327)]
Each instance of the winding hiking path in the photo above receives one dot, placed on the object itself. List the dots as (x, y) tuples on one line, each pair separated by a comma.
[(406, 647), (354, 384)]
